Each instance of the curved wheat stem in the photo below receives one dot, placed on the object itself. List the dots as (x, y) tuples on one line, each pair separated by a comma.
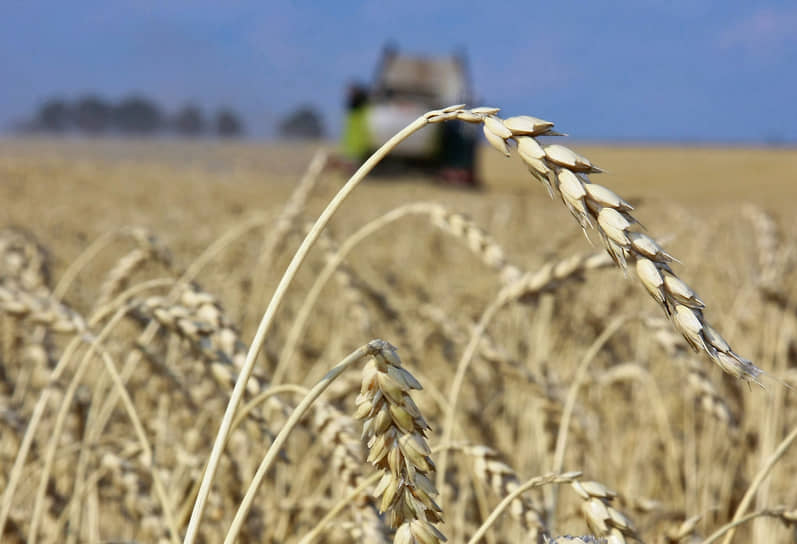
[(503, 480), (789, 517), (275, 236), (781, 450), (268, 317), (570, 403), (352, 285), (371, 348), (482, 244), (537, 481)]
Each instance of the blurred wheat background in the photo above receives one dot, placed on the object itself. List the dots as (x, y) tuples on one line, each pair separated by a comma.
[(96, 235)]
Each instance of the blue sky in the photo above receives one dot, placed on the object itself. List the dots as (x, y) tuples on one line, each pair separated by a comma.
[(650, 70)]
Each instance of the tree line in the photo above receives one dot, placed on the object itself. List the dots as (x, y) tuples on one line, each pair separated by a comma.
[(134, 115)]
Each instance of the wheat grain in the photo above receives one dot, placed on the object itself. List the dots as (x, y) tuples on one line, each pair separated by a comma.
[(601, 517)]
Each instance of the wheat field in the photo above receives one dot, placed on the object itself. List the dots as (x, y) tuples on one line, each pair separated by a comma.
[(134, 276)]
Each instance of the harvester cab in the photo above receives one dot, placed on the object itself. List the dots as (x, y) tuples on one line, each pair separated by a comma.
[(404, 88)]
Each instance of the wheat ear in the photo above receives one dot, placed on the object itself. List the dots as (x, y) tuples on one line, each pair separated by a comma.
[(42, 402), (566, 173), (40, 310), (602, 518), (395, 432), (769, 247), (24, 259), (119, 276)]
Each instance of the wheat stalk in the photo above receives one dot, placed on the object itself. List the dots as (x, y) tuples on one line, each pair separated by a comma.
[(503, 480), (275, 236), (478, 240), (268, 318), (535, 482), (352, 285)]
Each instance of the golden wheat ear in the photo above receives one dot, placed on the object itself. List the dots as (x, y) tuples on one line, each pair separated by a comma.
[(566, 173), (395, 432)]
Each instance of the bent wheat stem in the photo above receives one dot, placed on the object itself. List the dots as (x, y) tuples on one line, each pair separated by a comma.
[(759, 478), (271, 455), (570, 403), (539, 481), (268, 318)]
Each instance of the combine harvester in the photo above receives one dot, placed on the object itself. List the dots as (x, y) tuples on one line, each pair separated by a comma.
[(404, 88)]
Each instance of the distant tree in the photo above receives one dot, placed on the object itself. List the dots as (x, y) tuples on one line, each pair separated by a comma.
[(305, 124), (189, 121), (93, 114), (54, 115), (228, 125), (137, 115)]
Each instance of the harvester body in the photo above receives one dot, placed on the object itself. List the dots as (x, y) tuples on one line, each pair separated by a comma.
[(404, 88)]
